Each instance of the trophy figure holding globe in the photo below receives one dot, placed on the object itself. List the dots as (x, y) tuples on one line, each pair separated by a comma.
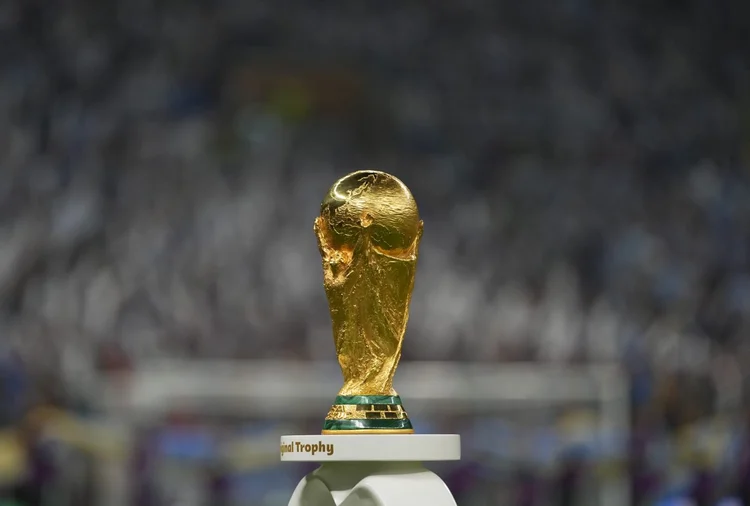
[(368, 233)]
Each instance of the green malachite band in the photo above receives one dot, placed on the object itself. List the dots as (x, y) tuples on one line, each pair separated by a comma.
[(366, 424), (368, 399)]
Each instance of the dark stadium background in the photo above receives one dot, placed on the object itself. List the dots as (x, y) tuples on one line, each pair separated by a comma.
[(581, 167)]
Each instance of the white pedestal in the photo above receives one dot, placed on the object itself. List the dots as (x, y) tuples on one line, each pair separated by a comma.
[(371, 470)]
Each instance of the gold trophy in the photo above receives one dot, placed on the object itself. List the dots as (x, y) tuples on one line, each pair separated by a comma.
[(368, 233)]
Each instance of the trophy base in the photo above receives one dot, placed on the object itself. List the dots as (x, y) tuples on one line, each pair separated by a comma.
[(352, 432), (367, 414)]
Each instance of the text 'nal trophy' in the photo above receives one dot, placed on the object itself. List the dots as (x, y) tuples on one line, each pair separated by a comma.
[(368, 234)]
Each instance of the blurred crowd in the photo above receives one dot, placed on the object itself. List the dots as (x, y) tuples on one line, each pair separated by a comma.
[(581, 168)]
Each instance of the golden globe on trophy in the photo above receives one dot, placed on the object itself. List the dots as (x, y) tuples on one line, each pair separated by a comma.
[(368, 233)]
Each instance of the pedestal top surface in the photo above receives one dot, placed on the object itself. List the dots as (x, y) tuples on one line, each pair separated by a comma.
[(371, 448)]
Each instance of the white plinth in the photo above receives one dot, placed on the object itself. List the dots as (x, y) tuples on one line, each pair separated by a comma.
[(371, 448), (371, 470)]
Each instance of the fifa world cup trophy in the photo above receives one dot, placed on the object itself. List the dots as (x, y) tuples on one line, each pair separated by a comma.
[(368, 233)]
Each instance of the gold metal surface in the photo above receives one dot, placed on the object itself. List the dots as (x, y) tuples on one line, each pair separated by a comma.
[(365, 411), (368, 234)]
